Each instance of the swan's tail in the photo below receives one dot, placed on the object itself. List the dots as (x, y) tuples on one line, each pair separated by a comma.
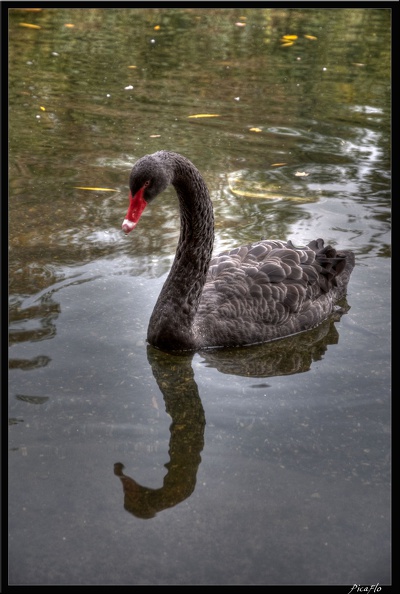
[(336, 266)]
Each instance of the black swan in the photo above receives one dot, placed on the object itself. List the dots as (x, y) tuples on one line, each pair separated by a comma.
[(251, 294)]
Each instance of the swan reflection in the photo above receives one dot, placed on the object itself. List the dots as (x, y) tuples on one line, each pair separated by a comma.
[(175, 379)]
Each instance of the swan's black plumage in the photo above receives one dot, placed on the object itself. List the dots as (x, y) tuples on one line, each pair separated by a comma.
[(251, 294)]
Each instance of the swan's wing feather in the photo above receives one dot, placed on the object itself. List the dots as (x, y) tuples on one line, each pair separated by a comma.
[(270, 281)]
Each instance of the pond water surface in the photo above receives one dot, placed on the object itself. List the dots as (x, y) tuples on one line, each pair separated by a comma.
[(262, 465)]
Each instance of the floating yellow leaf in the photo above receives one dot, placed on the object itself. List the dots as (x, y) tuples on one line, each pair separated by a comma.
[(240, 24), (29, 26), (204, 115), (310, 37), (42, 108), (301, 174), (255, 130), (69, 25), (289, 37), (289, 43), (95, 189), (155, 135), (157, 28), (278, 164)]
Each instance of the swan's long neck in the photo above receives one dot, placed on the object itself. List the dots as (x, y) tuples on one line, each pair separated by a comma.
[(171, 324)]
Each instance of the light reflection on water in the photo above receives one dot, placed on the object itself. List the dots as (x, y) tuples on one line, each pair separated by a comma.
[(278, 437)]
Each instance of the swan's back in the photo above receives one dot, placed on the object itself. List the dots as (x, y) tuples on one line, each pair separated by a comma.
[(268, 290)]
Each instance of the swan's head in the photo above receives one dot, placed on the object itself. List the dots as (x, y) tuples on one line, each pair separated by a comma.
[(148, 178)]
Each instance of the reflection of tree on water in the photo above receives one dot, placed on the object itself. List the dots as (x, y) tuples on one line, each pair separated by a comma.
[(33, 318), (175, 378), (40, 318), (32, 323)]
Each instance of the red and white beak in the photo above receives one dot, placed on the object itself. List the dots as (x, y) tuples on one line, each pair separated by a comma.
[(137, 204)]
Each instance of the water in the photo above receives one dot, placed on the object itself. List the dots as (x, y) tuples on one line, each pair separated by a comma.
[(267, 465)]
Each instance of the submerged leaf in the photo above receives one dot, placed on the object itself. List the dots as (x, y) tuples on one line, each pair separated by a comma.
[(310, 37), (32, 399), (268, 186), (289, 43)]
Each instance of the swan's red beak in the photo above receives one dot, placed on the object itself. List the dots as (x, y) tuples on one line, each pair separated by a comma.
[(137, 204)]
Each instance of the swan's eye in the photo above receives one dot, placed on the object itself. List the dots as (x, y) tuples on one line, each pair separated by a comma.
[(146, 184)]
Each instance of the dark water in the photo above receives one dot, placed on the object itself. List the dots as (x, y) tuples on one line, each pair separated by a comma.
[(267, 465)]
